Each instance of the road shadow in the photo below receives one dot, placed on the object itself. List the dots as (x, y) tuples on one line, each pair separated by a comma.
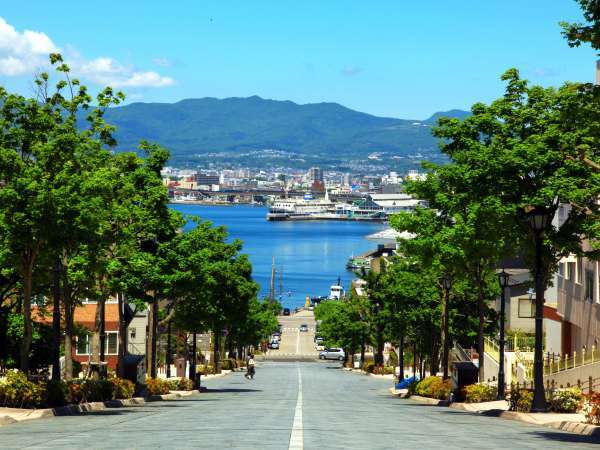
[(230, 390), (567, 437), (108, 412)]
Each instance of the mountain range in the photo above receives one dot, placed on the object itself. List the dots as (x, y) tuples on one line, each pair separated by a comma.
[(240, 128)]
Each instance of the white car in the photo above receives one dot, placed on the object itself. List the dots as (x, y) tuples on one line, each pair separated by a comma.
[(319, 346), (274, 345), (333, 353)]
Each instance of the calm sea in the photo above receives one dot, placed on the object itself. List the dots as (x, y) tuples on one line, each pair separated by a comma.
[(309, 256)]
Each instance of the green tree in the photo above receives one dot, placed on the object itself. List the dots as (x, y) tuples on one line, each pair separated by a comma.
[(587, 32)]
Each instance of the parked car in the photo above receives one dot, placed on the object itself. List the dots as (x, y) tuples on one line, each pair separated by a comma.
[(286, 311), (319, 346), (276, 337), (332, 353), (274, 345), (304, 327)]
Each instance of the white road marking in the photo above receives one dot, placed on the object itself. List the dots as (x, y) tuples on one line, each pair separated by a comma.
[(297, 436)]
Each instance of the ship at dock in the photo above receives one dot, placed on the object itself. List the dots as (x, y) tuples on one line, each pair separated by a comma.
[(310, 208)]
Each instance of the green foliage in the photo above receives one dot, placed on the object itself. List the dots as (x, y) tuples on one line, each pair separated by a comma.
[(587, 32), (434, 387), (16, 391), (520, 399), (566, 400), (477, 393), (181, 384), (122, 389)]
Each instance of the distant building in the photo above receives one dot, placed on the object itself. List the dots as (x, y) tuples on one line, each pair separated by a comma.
[(315, 174), (202, 179)]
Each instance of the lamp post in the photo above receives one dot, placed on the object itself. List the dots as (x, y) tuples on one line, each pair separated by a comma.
[(447, 285), (538, 219), (503, 279)]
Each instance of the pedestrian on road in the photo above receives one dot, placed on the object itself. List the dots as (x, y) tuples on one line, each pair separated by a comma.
[(250, 367)]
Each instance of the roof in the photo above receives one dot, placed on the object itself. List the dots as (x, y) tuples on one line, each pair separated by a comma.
[(84, 314), (401, 196)]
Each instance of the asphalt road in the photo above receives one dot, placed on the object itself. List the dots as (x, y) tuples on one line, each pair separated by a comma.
[(310, 405), (294, 343)]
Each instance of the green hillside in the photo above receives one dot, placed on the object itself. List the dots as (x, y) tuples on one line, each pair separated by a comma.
[(193, 128)]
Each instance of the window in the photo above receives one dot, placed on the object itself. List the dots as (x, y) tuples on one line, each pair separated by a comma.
[(580, 270), (526, 308), (83, 345), (561, 269), (589, 285), (132, 332), (111, 344)]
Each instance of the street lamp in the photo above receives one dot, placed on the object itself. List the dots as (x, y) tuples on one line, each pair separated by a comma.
[(538, 219), (503, 279), (447, 285)]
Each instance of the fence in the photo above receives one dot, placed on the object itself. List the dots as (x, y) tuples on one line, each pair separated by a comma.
[(557, 363), (587, 387)]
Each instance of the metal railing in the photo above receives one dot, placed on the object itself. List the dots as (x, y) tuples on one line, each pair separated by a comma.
[(492, 348), (558, 363)]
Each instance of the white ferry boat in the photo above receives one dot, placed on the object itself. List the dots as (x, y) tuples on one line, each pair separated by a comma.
[(290, 208)]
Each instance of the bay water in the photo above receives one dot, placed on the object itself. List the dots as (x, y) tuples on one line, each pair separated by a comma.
[(309, 255)]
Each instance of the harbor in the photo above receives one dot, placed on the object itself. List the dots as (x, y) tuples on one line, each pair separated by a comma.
[(370, 208)]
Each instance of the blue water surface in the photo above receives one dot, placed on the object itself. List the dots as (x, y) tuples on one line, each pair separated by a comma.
[(309, 255)]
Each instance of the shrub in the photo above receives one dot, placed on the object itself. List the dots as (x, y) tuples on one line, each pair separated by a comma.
[(434, 387), (157, 386), (520, 399), (369, 366), (18, 392), (567, 400), (477, 393), (83, 391), (591, 408), (122, 389), (205, 369), (180, 384), (228, 364), (383, 370)]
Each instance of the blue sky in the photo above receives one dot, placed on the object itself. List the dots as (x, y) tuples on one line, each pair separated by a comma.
[(396, 58)]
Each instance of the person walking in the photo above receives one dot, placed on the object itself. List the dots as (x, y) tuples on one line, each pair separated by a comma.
[(250, 367)]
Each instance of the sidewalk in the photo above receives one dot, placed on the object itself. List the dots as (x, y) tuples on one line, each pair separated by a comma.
[(388, 376), (574, 423), (13, 415)]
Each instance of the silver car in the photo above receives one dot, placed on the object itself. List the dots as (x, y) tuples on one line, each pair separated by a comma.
[(332, 353)]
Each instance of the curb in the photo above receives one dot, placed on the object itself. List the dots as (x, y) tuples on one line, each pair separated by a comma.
[(429, 401), (73, 410)]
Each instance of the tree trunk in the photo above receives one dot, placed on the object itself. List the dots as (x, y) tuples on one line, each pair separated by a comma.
[(401, 358), (122, 336), (56, 337), (217, 351), (169, 356), (379, 339), (26, 311), (152, 331), (69, 313), (415, 358), (481, 325), (362, 351)]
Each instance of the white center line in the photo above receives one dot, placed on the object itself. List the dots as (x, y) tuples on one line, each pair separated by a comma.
[(297, 435)]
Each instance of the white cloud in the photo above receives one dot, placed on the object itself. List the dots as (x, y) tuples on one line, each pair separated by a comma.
[(106, 70), (23, 53), (26, 52)]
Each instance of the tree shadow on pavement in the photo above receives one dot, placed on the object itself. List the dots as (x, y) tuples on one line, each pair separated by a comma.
[(225, 390), (108, 412), (568, 437)]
